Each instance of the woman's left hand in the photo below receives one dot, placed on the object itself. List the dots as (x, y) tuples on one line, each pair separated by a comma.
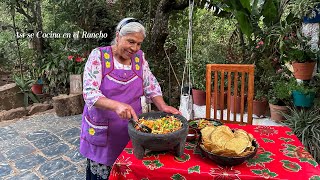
[(170, 109)]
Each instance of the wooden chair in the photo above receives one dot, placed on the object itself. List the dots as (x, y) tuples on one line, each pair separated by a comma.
[(239, 80)]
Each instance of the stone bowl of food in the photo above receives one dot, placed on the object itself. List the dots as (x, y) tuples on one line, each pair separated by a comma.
[(169, 132), (227, 147)]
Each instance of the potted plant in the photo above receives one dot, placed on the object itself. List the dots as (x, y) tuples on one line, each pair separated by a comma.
[(37, 84), (199, 94), (198, 69), (25, 87), (303, 94), (75, 67), (279, 98), (236, 99), (296, 50), (260, 103), (305, 124), (263, 78)]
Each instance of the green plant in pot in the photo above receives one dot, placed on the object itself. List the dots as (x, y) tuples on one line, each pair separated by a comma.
[(37, 74), (25, 87), (296, 50), (303, 94), (305, 124), (199, 84), (279, 97), (262, 84)]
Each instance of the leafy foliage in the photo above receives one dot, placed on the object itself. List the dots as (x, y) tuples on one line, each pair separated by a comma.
[(210, 36), (295, 47), (306, 126), (280, 94), (25, 87)]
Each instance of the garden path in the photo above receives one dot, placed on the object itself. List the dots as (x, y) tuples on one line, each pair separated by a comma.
[(42, 146)]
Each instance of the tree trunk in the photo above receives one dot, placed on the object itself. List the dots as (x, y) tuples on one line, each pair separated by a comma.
[(158, 35), (159, 31), (39, 41)]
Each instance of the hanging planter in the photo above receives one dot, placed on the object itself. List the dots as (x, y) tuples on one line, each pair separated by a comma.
[(303, 71)]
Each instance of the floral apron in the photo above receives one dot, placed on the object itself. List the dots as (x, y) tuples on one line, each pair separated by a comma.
[(104, 134)]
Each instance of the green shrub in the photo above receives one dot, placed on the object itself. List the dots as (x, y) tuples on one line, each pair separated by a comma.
[(305, 124)]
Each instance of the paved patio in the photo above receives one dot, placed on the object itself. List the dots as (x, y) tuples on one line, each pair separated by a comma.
[(41, 147)]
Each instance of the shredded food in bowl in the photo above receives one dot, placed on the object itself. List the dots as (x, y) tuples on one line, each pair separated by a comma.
[(162, 125)]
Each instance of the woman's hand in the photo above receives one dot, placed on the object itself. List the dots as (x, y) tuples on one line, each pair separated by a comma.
[(162, 106), (170, 109), (125, 111)]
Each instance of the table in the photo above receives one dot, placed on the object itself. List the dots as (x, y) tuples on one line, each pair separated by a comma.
[(280, 156)]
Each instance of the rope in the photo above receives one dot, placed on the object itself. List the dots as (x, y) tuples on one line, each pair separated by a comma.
[(174, 73), (187, 66)]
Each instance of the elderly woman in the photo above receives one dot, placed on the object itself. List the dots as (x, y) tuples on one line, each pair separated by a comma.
[(115, 78)]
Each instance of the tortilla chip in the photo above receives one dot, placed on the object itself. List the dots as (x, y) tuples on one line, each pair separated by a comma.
[(228, 153), (237, 145), (251, 138), (206, 132), (222, 141), (221, 135)]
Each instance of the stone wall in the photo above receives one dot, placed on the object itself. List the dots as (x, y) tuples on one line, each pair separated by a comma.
[(10, 97)]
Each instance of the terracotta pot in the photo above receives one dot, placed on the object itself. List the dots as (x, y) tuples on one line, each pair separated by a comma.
[(199, 97), (260, 107), (238, 104), (218, 102), (303, 71), (37, 88), (275, 112)]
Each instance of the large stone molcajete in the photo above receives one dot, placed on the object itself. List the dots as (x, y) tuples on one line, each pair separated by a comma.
[(158, 142), (10, 97)]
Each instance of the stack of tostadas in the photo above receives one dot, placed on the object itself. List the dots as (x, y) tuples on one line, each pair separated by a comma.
[(221, 140)]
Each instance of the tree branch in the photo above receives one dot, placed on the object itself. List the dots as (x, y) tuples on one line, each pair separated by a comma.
[(23, 12), (181, 5), (5, 26)]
